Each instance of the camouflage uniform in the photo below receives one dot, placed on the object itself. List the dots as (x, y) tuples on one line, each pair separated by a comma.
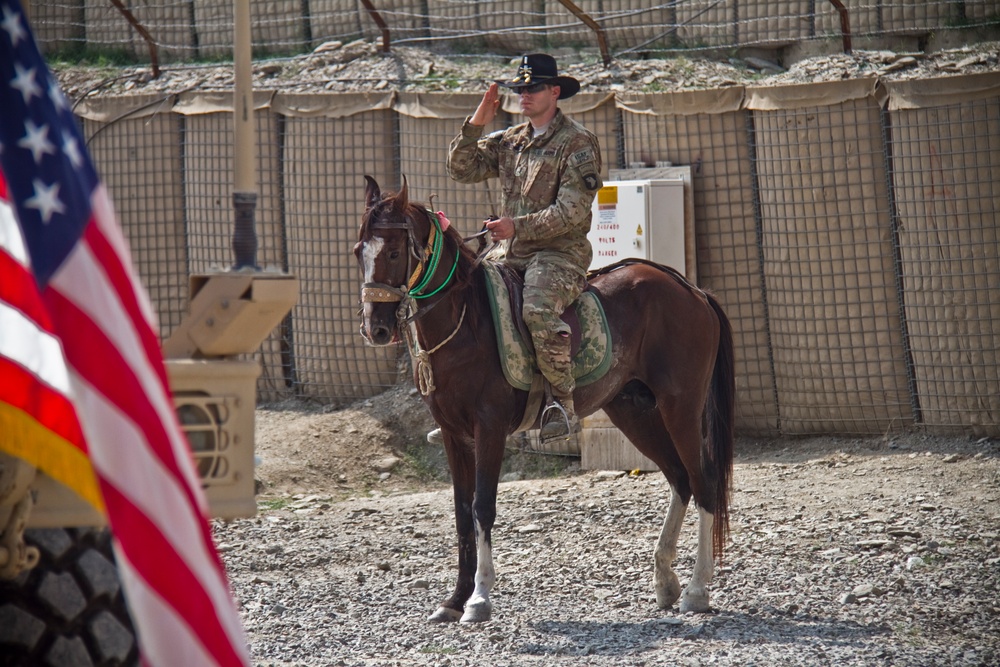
[(548, 185)]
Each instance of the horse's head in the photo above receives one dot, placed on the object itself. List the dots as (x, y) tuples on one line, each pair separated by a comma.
[(392, 250)]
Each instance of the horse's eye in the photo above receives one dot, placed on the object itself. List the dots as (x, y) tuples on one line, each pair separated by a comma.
[(394, 254)]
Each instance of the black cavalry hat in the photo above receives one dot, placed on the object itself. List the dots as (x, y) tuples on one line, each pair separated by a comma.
[(541, 68)]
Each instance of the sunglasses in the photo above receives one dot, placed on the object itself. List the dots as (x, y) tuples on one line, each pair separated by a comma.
[(531, 90)]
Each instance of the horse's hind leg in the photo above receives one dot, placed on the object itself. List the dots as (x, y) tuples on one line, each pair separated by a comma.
[(677, 453), (640, 422), (695, 597), (687, 434), (665, 583)]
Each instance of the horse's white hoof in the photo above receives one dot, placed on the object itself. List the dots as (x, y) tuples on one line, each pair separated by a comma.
[(694, 602), (444, 615), (477, 611), (667, 589)]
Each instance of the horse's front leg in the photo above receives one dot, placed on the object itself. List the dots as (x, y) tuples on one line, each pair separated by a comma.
[(462, 463), (479, 608), (489, 455)]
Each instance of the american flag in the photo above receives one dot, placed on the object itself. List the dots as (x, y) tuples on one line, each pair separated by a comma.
[(83, 391)]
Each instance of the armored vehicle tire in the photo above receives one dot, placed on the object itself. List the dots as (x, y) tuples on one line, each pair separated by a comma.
[(69, 610)]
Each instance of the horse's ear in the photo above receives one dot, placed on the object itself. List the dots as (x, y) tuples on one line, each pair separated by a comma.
[(372, 192), (403, 196)]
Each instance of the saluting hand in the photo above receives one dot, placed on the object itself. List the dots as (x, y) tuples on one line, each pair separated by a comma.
[(487, 109)]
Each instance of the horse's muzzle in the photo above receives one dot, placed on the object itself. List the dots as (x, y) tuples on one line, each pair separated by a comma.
[(381, 335), (378, 335), (372, 295)]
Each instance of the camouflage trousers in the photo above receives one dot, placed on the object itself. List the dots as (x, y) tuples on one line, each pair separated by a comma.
[(550, 288)]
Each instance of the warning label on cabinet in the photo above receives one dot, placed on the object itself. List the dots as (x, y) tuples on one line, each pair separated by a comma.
[(605, 227)]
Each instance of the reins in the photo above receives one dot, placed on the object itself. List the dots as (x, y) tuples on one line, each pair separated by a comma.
[(424, 372)]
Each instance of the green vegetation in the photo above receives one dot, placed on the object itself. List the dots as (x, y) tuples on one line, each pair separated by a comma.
[(534, 465), (272, 504), (426, 463), (115, 58), (991, 21), (77, 56), (449, 81)]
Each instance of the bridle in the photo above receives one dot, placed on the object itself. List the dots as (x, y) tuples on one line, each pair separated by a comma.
[(427, 264), (421, 275)]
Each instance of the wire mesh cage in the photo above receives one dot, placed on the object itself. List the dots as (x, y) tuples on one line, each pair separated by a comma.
[(186, 30), (849, 229)]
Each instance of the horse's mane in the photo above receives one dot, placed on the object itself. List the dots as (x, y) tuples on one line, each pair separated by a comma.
[(466, 257)]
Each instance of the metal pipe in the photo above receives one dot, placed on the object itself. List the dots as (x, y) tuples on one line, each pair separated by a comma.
[(380, 22), (845, 24), (602, 39), (154, 51), (244, 155)]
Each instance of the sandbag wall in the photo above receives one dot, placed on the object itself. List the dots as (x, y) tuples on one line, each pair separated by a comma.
[(137, 150), (828, 260), (946, 157), (849, 229), (328, 144)]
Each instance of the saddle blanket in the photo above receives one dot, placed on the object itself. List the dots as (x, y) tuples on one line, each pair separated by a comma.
[(517, 356)]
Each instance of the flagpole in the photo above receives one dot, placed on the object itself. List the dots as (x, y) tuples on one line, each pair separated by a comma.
[(244, 159), (233, 311)]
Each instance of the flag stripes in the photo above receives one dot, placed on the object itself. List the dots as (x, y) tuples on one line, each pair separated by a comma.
[(126, 402), (84, 393), (37, 418)]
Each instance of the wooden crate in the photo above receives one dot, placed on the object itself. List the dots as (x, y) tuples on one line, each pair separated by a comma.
[(604, 447)]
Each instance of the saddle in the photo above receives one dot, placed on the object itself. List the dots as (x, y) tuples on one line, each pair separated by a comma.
[(590, 338)]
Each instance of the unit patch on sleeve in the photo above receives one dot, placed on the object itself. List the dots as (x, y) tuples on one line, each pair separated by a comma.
[(581, 158), (585, 161)]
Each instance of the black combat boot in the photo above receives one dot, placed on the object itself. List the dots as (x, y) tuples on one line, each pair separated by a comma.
[(559, 420)]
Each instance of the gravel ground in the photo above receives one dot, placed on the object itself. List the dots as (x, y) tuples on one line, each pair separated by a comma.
[(880, 551)]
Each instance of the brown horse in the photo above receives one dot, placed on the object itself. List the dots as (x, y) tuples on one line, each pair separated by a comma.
[(670, 388)]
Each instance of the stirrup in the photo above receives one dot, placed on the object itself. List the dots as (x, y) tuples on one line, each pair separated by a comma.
[(557, 423)]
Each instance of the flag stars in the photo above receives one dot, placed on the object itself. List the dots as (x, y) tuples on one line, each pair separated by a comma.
[(57, 97), (24, 81), (45, 200), (37, 141), (71, 148), (12, 25)]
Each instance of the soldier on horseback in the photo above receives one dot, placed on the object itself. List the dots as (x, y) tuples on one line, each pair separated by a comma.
[(549, 169)]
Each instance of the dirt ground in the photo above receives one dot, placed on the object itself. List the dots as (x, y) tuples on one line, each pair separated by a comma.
[(376, 447)]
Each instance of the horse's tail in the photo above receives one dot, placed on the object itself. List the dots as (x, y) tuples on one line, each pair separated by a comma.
[(721, 406)]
